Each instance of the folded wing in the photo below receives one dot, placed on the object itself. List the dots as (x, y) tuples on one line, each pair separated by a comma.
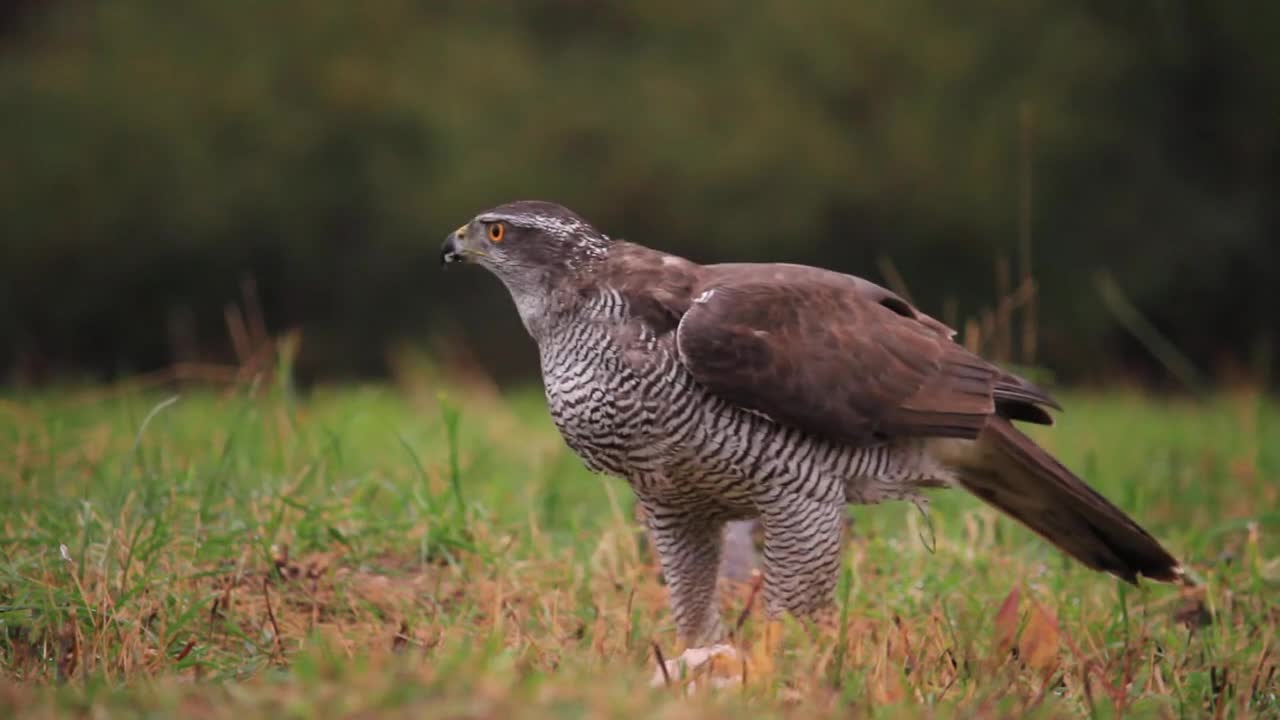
[(841, 357)]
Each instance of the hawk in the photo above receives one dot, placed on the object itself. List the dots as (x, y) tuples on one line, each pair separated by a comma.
[(778, 393)]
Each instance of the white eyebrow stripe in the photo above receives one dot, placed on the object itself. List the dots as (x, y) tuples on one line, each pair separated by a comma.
[(562, 227)]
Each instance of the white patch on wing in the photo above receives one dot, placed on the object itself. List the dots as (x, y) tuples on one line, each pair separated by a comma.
[(758, 413), (703, 299)]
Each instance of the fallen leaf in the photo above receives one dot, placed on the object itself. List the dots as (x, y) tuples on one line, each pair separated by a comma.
[(1038, 647), (1007, 623)]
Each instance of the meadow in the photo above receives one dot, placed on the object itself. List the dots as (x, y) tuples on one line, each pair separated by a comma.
[(431, 549)]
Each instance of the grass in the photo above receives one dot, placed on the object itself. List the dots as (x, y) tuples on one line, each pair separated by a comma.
[(377, 551)]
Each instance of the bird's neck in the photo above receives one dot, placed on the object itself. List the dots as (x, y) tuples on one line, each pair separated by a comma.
[(533, 303), (543, 304), (552, 297)]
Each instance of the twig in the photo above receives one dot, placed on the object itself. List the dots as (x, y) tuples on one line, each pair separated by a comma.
[(186, 650), (1088, 693), (271, 615), (746, 609), (220, 603), (922, 506), (315, 603), (240, 341), (213, 616), (662, 664), (631, 597), (1257, 671), (256, 318), (1086, 668), (955, 674), (1023, 295), (1220, 686)]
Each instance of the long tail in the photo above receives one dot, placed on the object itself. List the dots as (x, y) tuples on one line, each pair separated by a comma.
[(1008, 470)]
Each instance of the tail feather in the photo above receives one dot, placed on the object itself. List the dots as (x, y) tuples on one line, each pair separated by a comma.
[(1012, 473)]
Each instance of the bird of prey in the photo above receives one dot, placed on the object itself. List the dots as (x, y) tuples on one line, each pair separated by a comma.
[(774, 392)]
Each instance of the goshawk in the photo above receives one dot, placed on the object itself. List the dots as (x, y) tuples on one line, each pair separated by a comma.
[(774, 392)]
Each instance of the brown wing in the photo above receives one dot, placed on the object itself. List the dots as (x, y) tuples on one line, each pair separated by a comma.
[(840, 357)]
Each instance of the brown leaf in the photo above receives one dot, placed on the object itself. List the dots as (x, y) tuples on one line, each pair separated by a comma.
[(1038, 646), (1007, 622)]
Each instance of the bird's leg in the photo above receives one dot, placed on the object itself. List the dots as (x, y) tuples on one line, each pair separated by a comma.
[(688, 548), (802, 549), (688, 544)]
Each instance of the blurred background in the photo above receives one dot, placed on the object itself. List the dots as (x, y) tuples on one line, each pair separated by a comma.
[(1087, 187)]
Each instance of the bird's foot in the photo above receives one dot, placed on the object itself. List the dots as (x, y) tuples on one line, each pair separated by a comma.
[(721, 665), (718, 666)]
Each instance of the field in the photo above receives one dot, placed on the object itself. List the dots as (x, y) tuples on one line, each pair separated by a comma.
[(406, 551)]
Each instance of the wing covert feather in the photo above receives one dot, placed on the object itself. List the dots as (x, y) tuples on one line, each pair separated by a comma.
[(838, 356)]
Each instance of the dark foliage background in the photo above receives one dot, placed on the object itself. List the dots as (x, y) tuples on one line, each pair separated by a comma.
[(154, 155)]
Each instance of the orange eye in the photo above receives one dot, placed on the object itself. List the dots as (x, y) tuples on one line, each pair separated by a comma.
[(497, 231)]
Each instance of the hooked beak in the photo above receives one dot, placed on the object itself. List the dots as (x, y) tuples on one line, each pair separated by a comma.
[(449, 252), (453, 250)]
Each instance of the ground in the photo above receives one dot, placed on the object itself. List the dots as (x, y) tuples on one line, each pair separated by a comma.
[(427, 550)]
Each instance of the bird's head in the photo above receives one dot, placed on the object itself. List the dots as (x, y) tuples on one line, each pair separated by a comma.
[(525, 242)]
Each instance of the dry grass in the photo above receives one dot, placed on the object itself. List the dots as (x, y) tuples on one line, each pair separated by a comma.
[(363, 553)]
